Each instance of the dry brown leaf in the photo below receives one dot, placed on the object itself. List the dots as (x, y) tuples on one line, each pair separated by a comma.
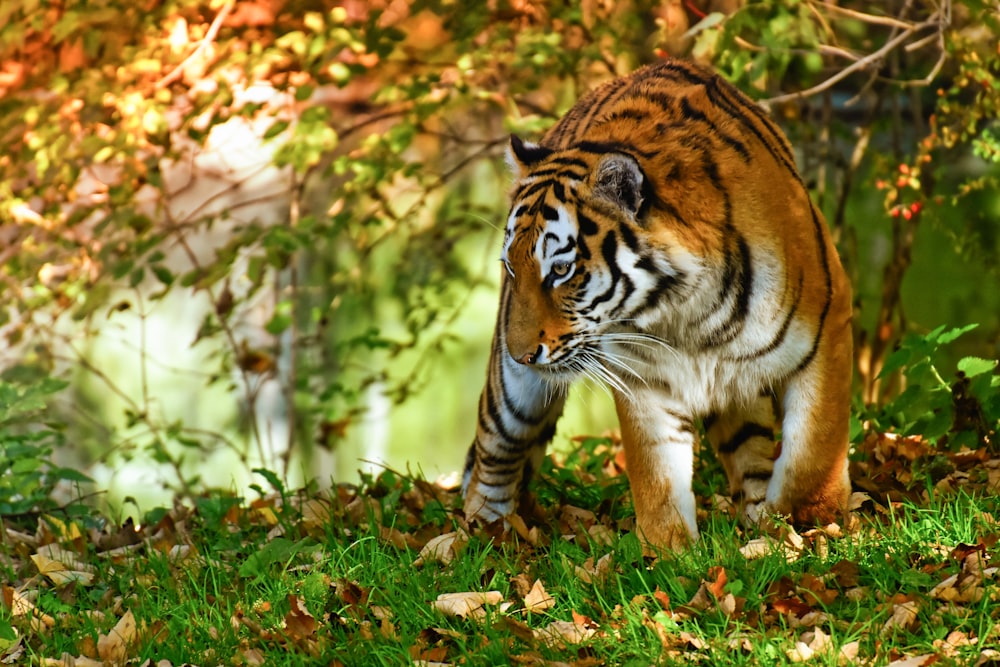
[(62, 567), (393, 536), (903, 616), (812, 643), (114, 646), (467, 603), (988, 657), (316, 513), (849, 651), (561, 633), (252, 657), (800, 652), (299, 623), (443, 548), (79, 661), (590, 572), (956, 639), (517, 523), (701, 600), (538, 599), (915, 661), (601, 535), (760, 547), (719, 579), (18, 605)]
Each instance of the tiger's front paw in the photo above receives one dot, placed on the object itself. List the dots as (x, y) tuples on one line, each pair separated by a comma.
[(753, 513), (480, 508), (661, 536)]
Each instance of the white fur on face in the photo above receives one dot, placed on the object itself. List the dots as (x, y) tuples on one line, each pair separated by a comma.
[(508, 239)]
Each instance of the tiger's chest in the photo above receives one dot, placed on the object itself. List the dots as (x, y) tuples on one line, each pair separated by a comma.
[(706, 377)]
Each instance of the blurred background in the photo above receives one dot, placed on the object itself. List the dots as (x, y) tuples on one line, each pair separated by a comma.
[(241, 234)]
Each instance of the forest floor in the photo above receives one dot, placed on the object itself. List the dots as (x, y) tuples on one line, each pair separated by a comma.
[(389, 573)]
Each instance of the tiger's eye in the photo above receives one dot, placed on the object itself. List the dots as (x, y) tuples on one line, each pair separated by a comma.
[(561, 269)]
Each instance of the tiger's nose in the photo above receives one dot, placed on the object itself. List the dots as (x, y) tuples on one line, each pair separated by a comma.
[(531, 358)]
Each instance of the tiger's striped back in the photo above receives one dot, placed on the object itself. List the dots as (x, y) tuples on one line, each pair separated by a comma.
[(661, 240)]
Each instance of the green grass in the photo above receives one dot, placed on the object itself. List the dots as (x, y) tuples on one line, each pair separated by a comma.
[(231, 582)]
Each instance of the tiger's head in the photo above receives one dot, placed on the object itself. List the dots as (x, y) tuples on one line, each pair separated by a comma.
[(579, 264)]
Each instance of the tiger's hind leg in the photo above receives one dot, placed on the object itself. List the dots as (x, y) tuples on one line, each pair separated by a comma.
[(743, 441)]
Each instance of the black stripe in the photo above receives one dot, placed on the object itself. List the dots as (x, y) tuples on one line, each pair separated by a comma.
[(608, 248), (779, 337), (605, 147), (555, 171), (630, 239), (559, 191), (747, 431), (665, 101), (665, 283), (493, 410), (497, 464), (737, 280), (566, 248), (584, 112), (694, 114), (716, 91), (685, 422), (622, 115), (587, 225), (829, 295), (529, 190), (568, 161)]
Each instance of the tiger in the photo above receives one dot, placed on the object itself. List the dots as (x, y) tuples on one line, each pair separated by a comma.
[(661, 240)]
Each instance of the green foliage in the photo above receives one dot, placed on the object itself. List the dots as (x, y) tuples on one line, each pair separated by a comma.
[(961, 408), (28, 475)]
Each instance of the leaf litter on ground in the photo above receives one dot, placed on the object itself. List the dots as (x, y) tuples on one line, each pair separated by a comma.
[(390, 570)]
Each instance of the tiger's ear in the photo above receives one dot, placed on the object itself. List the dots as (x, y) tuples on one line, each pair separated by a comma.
[(521, 155), (619, 180)]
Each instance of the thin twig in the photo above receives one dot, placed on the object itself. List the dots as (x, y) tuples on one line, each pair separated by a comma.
[(822, 49), (867, 18), (858, 65), (213, 30)]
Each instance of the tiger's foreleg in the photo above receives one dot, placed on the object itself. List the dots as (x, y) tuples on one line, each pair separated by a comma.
[(810, 481), (659, 446), (518, 411)]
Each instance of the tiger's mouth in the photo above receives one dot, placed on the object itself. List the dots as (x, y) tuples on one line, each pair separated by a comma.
[(565, 367)]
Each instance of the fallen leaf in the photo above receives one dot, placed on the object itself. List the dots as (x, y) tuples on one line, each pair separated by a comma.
[(114, 646), (903, 616), (443, 548), (916, 661), (591, 572), (717, 586), (299, 623), (18, 605), (465, 604), (849, 651), (560, 633), (79, 661), (537, 599), (61, 567)]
